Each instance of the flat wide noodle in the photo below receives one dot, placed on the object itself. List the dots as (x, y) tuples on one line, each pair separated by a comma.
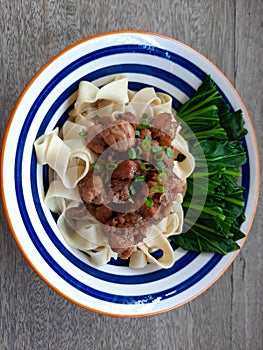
[(153, 241), (113, 93)]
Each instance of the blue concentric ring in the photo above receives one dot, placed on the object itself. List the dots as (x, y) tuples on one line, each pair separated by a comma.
[(18, 173)]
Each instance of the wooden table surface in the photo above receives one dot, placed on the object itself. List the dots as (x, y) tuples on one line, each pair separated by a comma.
[(229, 315)]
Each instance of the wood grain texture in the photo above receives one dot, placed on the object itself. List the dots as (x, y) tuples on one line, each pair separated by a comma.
[(247, 290), (229, 314)]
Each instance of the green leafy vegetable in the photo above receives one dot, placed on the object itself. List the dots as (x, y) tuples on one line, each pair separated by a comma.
[(218, 154), (213, 204), (233, 123), (208, 116)]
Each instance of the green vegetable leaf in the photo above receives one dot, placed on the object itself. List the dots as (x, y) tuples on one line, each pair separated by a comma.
[(201, 240), (213, 193), (233, 123), (209, 117), (218, 154)]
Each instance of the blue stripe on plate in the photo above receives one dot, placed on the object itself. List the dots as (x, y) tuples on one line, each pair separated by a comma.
[(111, 70), (18, 168), (138, 49), (145, 70)]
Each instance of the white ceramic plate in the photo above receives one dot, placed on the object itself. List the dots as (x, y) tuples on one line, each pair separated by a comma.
[(146, 59)]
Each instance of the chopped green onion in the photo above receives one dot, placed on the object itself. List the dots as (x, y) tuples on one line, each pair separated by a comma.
[(105, 177), (144, 126), (159, 156), (132, 153), (138, 178), (82, 133), (147, 138), (96, 118), (146, 166), (130, 200), (132, 190), (143, 122), (160, 165), (162, 178), (95, 166), (157, 189), (146, 145), (169, 152), (148, 202), (156, 149), (143, 119), (138, 151), (137, 133), (111, 166)]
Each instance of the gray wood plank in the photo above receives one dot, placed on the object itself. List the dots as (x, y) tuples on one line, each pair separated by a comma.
[(229, 314), (248, 267)]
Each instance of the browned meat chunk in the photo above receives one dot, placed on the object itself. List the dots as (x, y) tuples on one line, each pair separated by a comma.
[(130, 118), (90, 187), (119, 136), (165, 209), (132, 219), (149, 213), (126, 254), (164, 199), (174, 184), (163, 138), (121, 243), (165, 123), (151, 184), (121, 191), (128, 221), (169, 162), (94, 139), (103, 214), (164, 129), (126, 170), (121, 219), (140, 234), (152, 175), (144, 133)]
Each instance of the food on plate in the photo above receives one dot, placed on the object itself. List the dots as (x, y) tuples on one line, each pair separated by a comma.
[(215, 140), (132, 185), (120, 167), (130, 175)]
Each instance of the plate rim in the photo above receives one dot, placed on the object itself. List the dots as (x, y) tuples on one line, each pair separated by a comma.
[(3, 148)]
